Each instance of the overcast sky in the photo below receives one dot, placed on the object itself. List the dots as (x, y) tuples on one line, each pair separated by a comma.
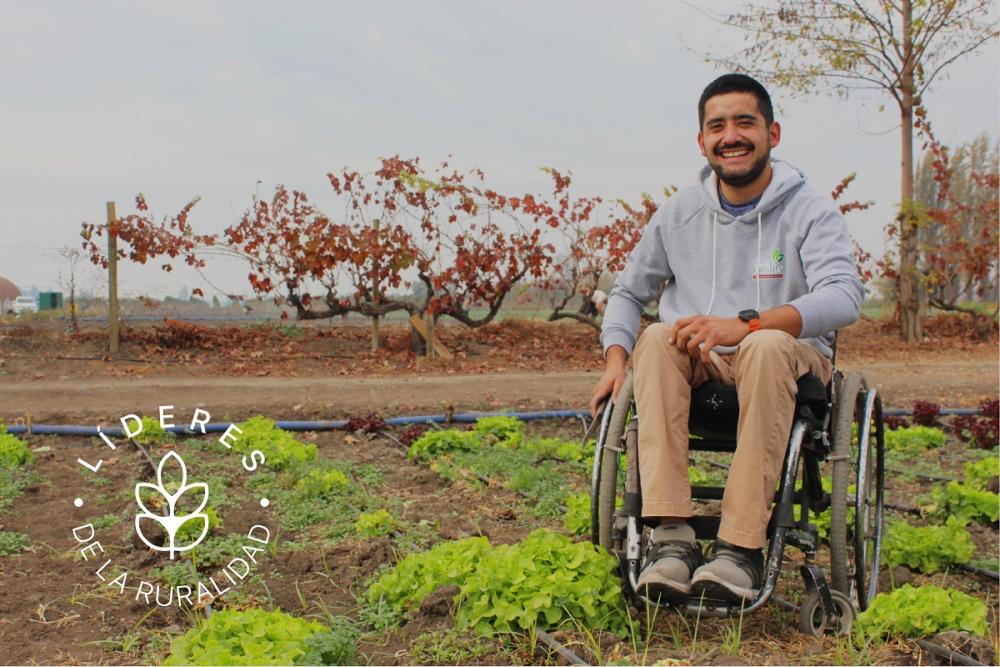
[(102, 100)]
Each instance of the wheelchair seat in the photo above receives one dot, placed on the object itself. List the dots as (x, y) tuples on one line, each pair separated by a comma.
[(715, 406)]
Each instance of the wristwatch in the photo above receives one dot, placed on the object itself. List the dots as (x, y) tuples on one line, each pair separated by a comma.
[(752, 318)]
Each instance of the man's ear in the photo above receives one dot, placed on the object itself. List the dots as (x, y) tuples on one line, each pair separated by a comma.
[(775, 133), (701, 144)]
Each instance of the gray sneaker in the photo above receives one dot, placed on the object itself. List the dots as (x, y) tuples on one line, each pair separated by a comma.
[(734, 574), (666, 573)]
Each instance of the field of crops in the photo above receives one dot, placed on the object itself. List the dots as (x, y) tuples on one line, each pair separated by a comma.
[(429, 545)]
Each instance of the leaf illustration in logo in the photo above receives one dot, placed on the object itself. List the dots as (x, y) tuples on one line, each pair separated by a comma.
[(170, 518), (777, 256)]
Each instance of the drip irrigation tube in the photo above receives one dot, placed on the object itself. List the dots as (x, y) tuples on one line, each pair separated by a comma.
[(332, 425), (564, 652), (328, 425), (954, 657)]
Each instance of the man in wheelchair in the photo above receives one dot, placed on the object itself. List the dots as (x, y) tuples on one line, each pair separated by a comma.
[(754, 271)]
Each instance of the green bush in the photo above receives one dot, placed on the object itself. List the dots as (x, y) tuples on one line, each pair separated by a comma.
[(281, 450), (258, 637), (928, 549), (914, 439), (322, 483), (979, 474), (375, 524), (420, 574), (920, 612), (547, 580), (14, 452)]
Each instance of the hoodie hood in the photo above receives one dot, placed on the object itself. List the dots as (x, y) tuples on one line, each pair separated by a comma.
[(785, 181)]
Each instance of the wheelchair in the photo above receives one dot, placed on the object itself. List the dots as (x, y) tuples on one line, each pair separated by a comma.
[(839, 424)]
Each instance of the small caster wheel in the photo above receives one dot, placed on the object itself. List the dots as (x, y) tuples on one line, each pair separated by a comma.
[(812, 620)]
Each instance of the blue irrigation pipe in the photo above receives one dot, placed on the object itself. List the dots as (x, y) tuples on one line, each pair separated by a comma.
[(336, 424), (327, 425)]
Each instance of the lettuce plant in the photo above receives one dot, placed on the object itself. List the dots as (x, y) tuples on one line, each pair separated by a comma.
[(321, 483), (547, 580), (964, 502), (920, 612), (914, 439), (375, 524), (928, 549), (435, 443), (503, 431), (281, 450), (577, 518), (259, 637), (14, 452), (979, 474), (420, 574)]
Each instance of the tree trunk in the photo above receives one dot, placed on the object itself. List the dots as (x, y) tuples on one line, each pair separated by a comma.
[(909, 301), (72, 304)]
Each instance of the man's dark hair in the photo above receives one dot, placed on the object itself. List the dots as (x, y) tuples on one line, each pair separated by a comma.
[(737, 83)]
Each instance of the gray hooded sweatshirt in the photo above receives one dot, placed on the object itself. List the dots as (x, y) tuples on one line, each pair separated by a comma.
[(792, 248)]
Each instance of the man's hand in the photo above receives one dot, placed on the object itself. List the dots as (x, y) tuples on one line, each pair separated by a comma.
[(612, 378), (698, 334)]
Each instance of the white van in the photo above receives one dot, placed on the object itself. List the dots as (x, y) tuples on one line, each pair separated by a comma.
[(25, 304)]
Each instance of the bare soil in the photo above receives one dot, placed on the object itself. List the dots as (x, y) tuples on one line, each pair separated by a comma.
[(52, 613), (284, 371)]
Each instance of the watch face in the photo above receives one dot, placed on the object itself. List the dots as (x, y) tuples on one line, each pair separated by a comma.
[(747, 315)]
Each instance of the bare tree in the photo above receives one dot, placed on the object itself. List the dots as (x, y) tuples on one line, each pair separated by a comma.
[(72, 257), (895, 47)]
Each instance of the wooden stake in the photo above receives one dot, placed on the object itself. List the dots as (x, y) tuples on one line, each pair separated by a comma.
[(421, 327), (429, 323), (113, 324), (375, 295)]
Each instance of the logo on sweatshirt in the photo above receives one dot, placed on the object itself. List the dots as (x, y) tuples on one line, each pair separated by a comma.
[(771, 268)]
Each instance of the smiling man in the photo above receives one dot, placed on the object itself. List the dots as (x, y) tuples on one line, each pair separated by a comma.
[(754, 271)]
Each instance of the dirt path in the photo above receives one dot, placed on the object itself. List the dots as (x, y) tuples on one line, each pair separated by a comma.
[(950, 383)]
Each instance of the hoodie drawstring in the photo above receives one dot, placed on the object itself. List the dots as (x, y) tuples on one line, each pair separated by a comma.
[(715, 227), (757, 263)]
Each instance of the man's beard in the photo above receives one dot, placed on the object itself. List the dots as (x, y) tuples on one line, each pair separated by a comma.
[(739, 180)]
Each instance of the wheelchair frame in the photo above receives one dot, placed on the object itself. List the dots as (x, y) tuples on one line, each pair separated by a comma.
[(855, 550)]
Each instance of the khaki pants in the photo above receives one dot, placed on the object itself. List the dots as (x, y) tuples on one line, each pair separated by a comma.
[(764, 370)]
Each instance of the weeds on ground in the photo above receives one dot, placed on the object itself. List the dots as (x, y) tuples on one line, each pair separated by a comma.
[(541, 483), (13, 543), (13, 483), (449, 647)]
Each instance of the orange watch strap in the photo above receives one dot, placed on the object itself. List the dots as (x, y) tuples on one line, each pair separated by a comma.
[(754, 324)]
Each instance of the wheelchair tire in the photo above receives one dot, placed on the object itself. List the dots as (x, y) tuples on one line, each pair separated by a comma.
[(855, 541), (812, 621), (609, 486)]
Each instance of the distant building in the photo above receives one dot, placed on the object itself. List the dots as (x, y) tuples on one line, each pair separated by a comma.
[(8, 292)]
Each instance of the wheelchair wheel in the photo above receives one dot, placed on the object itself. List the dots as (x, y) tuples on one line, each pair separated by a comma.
[(609, 485), (813, 622), (857, 494)]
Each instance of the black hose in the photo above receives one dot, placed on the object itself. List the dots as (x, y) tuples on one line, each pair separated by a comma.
[(954, 657), (561, 649)]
